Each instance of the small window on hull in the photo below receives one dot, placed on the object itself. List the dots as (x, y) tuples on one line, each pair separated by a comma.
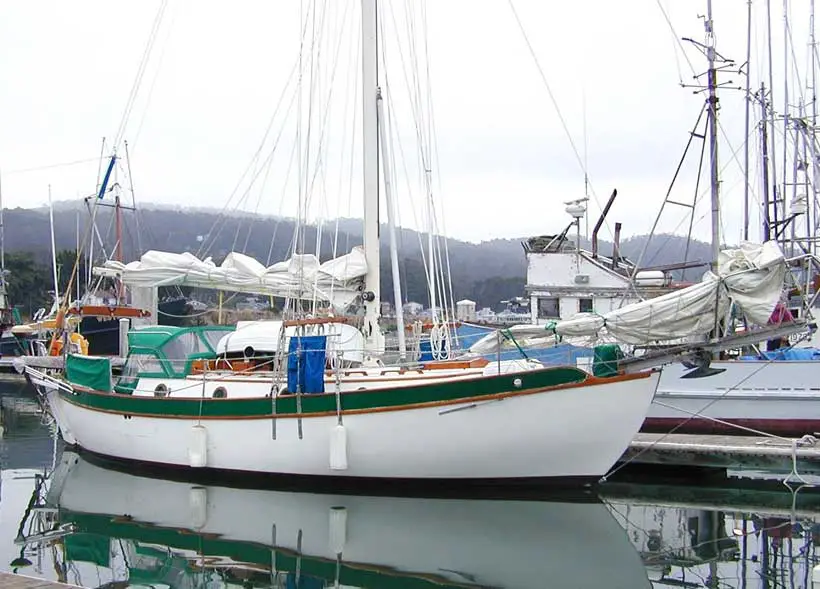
[(220, 393), (161, 390)]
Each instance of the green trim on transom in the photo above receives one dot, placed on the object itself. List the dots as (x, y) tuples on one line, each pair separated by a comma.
[(325, 403)]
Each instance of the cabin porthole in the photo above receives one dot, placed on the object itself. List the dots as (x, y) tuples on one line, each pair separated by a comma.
[(517, 383), (220, 393), (161, 390)]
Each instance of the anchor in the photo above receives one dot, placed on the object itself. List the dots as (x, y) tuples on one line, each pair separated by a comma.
[(700, 361)]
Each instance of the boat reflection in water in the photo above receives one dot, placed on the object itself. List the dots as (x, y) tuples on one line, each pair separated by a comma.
[(754, 535), (116, 526)]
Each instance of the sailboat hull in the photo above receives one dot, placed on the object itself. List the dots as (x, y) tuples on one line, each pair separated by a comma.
[(776, 397), (566, 433)]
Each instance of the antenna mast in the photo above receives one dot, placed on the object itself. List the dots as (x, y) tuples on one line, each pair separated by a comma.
[(713, 143)]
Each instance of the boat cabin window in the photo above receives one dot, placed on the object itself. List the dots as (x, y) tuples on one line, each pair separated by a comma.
[(585, 305), (136, 365), (212, 336), (178, 349), (548, 308)]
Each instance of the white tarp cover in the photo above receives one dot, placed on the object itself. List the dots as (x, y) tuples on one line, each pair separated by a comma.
[(336, 281), (264, 336), (751, 276)]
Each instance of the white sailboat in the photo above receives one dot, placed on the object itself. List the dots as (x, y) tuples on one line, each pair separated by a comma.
[(457, 422)]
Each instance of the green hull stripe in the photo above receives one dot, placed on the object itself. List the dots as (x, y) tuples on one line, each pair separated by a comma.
[(252, 553), (326, 402)]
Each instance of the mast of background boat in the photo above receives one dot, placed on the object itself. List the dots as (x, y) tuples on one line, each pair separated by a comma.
[(773, 216), (3, 293), (77, 250), (764, 146), (53, 247), (374, 339), (812, 203), (746, 127), (391, 224), (713, 145), (118, 246), (786, 118)]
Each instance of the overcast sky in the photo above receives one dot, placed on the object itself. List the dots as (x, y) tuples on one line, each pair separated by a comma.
[(503, 163)]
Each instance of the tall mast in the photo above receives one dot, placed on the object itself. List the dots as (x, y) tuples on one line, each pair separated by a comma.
[(764, 146), (3, 293), (773, 214), (118, 247), (786, 118), (53, 248), (746, 127), (374, 340), (713, 144), (811, 195)]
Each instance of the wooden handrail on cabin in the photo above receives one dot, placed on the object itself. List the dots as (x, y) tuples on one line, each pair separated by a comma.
[(108, 311)]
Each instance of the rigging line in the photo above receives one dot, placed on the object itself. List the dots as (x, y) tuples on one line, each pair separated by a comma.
[(403, 160), (356, 87), (258, 202), (414, 90), (447, 295), (154, 78), (433, 153), (676, 37), (146, 56), (50, 166), (675, 44), (206, 246), (348, 105), (692, 134), (279, 217), (322, 147), (133, 199), (554, 103), (219, 221), (679, 43), (315, 56), (795, 68)]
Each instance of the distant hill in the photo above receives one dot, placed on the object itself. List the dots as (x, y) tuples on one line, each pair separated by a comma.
[(486, 272)]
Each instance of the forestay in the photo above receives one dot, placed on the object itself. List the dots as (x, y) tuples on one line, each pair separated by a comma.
[(751, 277), (337, 281)]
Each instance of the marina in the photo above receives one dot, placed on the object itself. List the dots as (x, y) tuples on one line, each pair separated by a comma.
[(287, 374)]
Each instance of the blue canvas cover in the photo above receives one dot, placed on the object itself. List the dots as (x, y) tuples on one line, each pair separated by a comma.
[(306, 364)]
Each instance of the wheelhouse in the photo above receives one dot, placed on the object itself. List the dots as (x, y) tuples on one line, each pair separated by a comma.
[(164, 351)]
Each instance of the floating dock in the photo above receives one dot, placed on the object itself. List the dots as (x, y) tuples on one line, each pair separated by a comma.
[(724, 451), (12, 581)]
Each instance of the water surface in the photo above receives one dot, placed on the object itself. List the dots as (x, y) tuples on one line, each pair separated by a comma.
[(65, 517)]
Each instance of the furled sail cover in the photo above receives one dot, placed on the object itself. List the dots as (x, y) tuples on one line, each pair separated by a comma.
[(336, 281), (751, 276)]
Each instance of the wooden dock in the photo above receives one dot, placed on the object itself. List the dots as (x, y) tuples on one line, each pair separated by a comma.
[(723, 451), (12, 581)]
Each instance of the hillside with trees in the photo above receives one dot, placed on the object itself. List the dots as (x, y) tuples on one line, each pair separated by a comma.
[(486, 272)]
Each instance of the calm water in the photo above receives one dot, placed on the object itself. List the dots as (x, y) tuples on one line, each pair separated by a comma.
[(64, 518)]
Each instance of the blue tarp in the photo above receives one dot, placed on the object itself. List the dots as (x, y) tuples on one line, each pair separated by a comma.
[(787, 355), (306, 364)]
